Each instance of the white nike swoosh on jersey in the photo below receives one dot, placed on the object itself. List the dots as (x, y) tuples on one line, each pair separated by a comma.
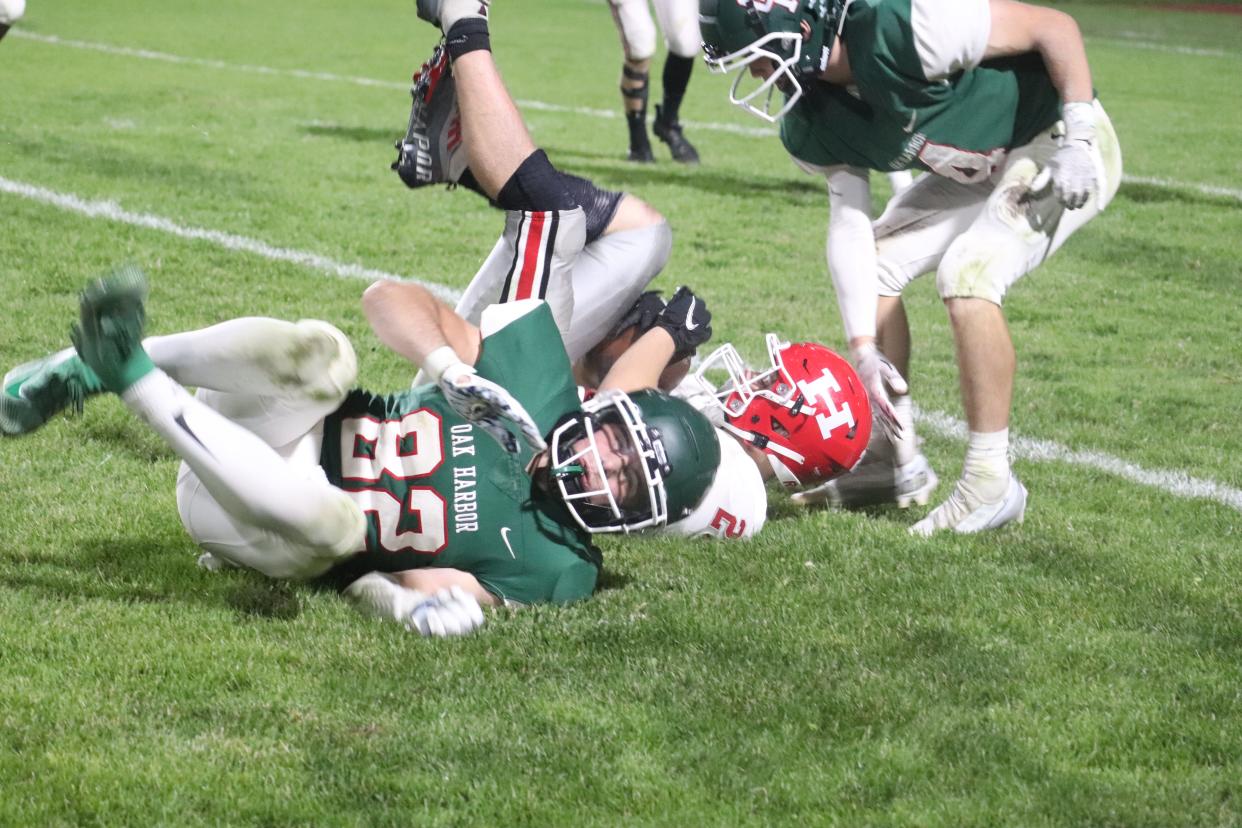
[(910, 126), (690, 326), (504, 536)]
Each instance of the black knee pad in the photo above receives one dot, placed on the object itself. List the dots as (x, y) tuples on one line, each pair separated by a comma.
[(598, 205), (535, 186)]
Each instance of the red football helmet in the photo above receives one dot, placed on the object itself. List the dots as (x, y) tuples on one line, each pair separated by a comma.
[(808, 411)]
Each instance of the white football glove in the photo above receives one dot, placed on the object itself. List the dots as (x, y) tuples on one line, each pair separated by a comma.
[(879, 377), (1071, 170), (489, 406), (449, 612)]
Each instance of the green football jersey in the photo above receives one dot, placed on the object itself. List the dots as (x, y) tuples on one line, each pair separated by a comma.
[(437, 491), (959, 126)]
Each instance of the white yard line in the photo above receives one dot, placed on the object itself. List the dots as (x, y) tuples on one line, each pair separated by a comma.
[(1167, 480), (112, 211), (1028, 448), (537, 106), (1172, 48), (165, 57), (1169, 184)]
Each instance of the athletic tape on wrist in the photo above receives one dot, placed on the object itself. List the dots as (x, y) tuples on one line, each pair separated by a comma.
[(439, 361)]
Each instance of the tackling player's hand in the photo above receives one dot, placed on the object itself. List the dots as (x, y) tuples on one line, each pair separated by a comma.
[(1072, 170), (880, 377), (642, 314), (687, 320), (450, 611), (490, 407)]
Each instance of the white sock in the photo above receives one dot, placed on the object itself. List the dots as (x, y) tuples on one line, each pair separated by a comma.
[(905, 447), (986, 471)]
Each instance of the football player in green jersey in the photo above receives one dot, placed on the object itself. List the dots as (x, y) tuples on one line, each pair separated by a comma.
[(400, 500), (993, 100)]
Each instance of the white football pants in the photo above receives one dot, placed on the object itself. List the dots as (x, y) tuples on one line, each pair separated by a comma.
[(588, 288), (250, 489), (982, 238), (679, 20)]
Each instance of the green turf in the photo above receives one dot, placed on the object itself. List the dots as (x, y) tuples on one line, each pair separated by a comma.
[(1082, 669)]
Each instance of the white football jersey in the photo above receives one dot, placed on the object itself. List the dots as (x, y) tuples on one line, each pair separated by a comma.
[(736, 505)]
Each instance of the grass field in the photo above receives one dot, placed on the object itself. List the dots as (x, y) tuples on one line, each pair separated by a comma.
[(1081, 669)]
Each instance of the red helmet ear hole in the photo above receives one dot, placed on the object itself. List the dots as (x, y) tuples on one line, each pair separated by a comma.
[(778, 428)]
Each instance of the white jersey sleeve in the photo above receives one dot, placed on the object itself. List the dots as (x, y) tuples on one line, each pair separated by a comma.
[(950, 37), (736, 505)]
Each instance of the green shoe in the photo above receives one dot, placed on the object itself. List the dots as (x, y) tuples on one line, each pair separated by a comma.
[(36, 391), (108, 337)]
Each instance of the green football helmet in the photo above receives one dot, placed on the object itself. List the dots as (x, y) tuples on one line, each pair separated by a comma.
[(660, 450), (796, 35)]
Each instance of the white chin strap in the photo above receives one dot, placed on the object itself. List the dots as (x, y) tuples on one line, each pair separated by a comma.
[(774, 451)]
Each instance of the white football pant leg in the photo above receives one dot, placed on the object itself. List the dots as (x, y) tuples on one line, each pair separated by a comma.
[(679, 20), (637, 29), (919, 224), (257, 357), (1014, 234), (608, 278), (308, 523), (533, 259)]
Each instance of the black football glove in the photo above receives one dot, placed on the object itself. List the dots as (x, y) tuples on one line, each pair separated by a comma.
[(641, 315), (688, 322)]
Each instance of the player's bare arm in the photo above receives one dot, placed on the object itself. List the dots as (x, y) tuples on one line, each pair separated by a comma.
[(421, 328), (433, 579), (681, 327), (413, 323), (1018, 28)]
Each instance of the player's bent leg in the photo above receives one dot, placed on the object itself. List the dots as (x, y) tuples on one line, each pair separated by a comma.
[(636, 28), (228, 538), (679, 20), (232, 478), (534, 259), (310, 359), (919, 224), (608, 278), (258, 356)]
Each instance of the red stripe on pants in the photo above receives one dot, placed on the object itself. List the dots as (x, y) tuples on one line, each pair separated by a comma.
[(530, 262)]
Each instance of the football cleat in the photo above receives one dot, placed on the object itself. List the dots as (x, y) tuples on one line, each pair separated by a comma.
[(876, 482), (963, 513), (108, 335), (431, 151), (36, 391), (669, 131), (641, 154)]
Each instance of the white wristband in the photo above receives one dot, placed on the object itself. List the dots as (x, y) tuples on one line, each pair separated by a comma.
[(379, 595), (439, 361)]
